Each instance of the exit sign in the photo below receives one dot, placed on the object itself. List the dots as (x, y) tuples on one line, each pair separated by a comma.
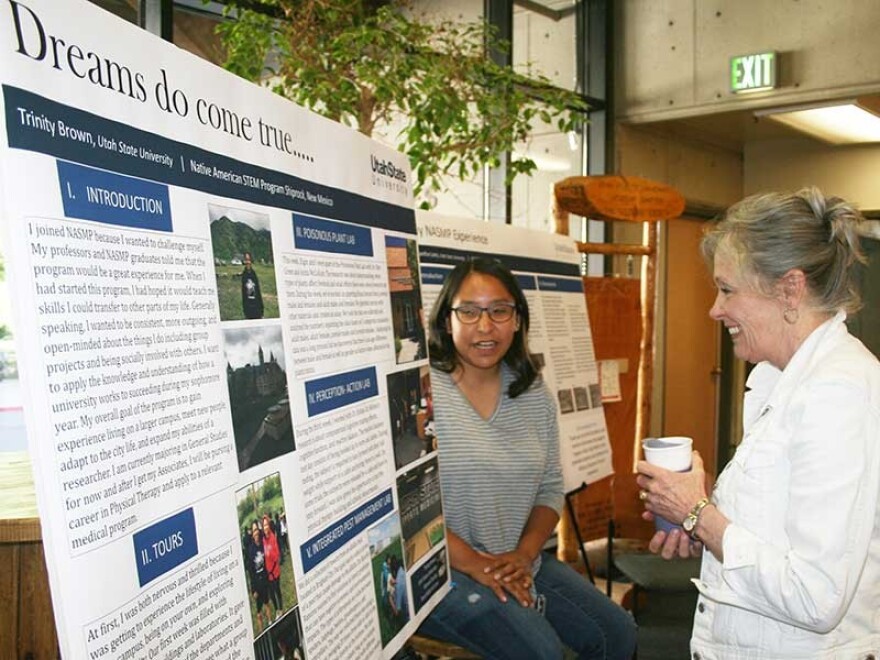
[(753, 73)]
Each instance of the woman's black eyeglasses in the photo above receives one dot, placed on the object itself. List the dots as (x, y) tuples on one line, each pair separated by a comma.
[(500, 312)]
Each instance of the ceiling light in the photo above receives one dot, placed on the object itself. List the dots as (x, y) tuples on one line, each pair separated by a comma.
[(841, 123)]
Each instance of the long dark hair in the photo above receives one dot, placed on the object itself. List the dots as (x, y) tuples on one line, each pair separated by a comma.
[(442, 349)]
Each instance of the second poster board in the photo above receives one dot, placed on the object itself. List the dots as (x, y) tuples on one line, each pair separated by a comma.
[(547, 267)]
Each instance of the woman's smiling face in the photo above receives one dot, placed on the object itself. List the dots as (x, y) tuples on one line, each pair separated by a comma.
[(482, 345), (752, 318)]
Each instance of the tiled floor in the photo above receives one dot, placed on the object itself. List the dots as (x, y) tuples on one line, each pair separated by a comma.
[(664, 621)]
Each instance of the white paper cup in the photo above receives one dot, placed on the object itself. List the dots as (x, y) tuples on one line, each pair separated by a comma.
[(671, 453)]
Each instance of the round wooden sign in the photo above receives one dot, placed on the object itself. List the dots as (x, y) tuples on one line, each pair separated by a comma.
[(628, 198)]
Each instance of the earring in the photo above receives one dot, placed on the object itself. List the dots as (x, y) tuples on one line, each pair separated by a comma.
[(791, 315)]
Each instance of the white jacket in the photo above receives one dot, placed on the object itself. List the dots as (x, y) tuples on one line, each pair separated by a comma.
[(801, 571)]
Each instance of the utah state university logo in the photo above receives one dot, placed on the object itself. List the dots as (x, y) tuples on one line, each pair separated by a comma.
[(387, 175)]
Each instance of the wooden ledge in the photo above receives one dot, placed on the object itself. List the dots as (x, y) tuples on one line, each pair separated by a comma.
[(20, 530)]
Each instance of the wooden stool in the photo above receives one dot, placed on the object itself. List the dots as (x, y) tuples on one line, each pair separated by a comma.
[(435, 648)]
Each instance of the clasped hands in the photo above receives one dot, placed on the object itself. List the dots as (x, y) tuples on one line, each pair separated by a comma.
[(671, 495), (506, 573)]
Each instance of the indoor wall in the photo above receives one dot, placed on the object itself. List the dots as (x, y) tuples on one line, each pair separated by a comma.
[(793, 162), (674, 55)]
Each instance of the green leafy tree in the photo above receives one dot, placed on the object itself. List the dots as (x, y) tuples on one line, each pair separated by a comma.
[(371, 63), (271, 488)]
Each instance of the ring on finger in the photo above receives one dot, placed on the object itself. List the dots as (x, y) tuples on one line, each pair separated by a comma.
[(643, 495)]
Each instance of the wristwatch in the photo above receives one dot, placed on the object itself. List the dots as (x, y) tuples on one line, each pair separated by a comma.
[(690, 522)]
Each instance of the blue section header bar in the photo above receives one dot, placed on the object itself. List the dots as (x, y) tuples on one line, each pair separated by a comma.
[(165, 546), (433, 275), (90, 194), (560, 284), (429, 254), (527, 282), (329, 540), (328, 236), (340, 390), (121, 148)]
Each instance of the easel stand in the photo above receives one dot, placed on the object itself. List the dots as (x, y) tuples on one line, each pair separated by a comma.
[(609, 550)]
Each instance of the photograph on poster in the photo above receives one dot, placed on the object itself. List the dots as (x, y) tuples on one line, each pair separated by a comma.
[(401, 255), (389, 576), (421, 511), (566, 402), (596, 395), (284, 641), (581, 398), (411, 411), (428, 578), (257, 381), (266, 551), (243, 264)]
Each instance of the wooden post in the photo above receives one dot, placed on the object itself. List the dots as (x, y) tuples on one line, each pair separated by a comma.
[(627, 199), (566, 542), (560, 216), (646, 347)]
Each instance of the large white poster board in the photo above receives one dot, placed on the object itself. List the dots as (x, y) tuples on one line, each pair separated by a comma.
[(218, 311), (547, 268)]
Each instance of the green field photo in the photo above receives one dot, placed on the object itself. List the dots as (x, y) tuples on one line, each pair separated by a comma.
[(229, 290), (240, 240)]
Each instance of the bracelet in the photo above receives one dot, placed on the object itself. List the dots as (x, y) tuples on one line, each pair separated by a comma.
[(690, 522)]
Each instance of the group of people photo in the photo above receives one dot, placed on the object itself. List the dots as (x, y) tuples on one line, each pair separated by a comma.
[(266, 551)]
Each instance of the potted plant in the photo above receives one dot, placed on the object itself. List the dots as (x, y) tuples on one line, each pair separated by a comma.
[(375, 66)]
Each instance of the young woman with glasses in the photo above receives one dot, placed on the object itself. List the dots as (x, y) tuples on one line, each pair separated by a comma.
[(502, 485)]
